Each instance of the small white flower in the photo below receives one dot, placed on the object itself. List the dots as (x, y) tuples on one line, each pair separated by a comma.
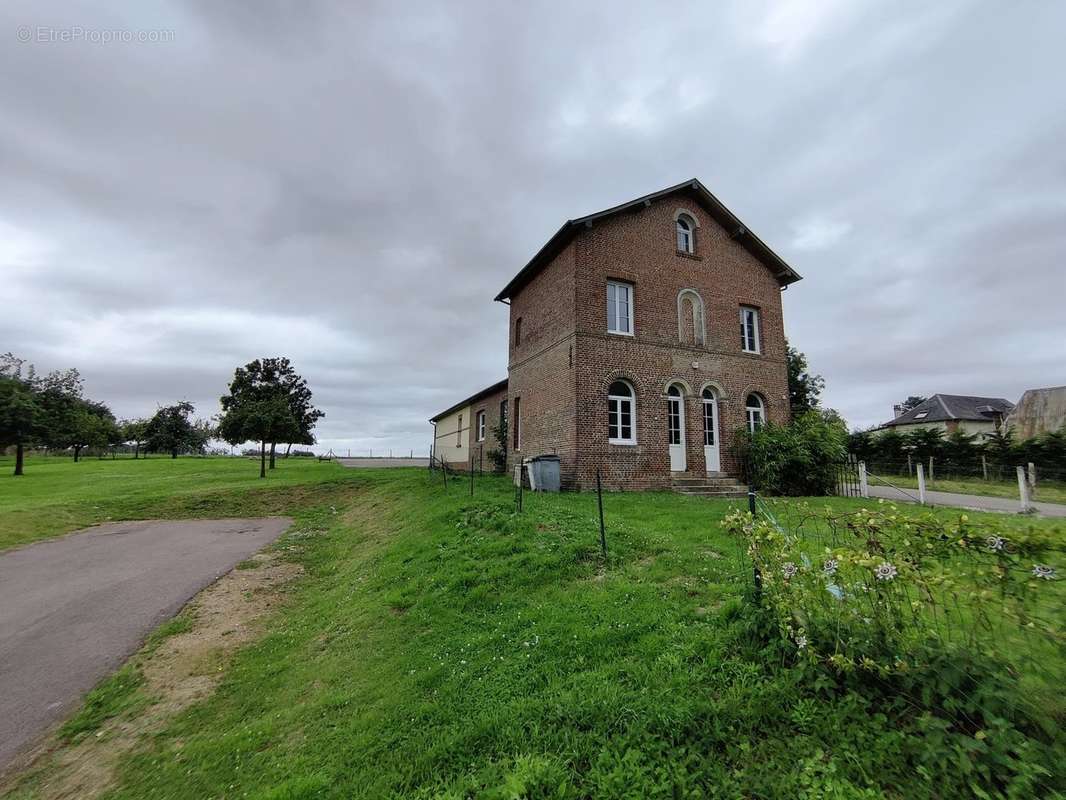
[(1043, 571), (788, 569), (996, 543), (885, 572), (830, 566), (801, 641)]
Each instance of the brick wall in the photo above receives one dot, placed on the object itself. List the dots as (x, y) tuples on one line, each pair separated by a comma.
[(490, 405), (566, 359), (540, 369)]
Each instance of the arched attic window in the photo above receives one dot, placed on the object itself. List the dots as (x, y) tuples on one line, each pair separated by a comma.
[(686, 233)]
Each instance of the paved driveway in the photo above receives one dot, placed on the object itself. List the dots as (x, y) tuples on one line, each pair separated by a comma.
[(378, 463), (73, 609), (970, 501)]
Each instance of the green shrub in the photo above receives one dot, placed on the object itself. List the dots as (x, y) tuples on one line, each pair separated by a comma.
[(799, 459)]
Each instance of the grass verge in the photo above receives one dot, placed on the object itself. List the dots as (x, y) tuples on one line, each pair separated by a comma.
[(440, 645)]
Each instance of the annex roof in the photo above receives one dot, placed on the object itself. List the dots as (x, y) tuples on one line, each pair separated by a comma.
[(496, 387)]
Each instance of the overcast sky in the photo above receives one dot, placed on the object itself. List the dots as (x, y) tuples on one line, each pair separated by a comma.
[(350, 184)]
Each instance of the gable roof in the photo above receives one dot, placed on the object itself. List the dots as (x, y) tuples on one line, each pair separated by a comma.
[(496, 387), (945, 407), (711, 204)]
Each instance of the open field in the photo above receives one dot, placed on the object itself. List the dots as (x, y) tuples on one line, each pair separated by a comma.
[(439, 645), (56, 496)]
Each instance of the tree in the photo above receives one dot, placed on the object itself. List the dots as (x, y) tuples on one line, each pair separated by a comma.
[(19, 415), (804, 389), (171, 430), (260, 419), (135, 431), (913, 401), (269, 379), (498, 455)]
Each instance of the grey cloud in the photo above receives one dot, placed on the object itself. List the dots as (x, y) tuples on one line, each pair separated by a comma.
[(350, 185)]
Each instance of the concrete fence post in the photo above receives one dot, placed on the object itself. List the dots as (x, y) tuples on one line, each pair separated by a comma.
[(984, 467), (1032, 478), (864, 487), (921, 484), (1023, 491), (930, 468)]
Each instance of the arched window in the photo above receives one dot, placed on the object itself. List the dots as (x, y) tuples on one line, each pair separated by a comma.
[(690, 326), (756, 411), (673, 414), (621, 414), (686, 234), (710, 412)]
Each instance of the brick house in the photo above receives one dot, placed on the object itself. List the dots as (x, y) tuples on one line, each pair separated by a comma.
[(642, 338)]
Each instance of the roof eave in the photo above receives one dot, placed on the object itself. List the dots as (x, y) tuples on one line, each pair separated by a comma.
[(727, 219)]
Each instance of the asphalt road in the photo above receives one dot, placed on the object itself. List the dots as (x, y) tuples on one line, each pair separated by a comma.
[(382, 462), (73, 609), (969, 501)]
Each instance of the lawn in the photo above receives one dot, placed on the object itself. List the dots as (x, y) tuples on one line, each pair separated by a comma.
[(56, 495), (441, 645)]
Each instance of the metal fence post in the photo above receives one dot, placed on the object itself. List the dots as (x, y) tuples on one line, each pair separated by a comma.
[(756, 574), (603, 530), (471, 467), (1023, 491), (921, 484), (864, 487)]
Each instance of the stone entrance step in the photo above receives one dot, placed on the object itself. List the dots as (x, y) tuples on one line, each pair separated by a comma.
[(709, 486)]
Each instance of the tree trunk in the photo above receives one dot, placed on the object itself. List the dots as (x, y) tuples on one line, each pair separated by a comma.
[(173, 453), (136, 450), (273, 447), (77, 452), (288, 447), (18, 458), (262, 459)]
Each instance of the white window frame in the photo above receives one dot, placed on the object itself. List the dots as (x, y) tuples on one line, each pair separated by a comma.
[(753, 329), (750, 411), (685, 226), (613, 410), (628, 287), (481, 426)]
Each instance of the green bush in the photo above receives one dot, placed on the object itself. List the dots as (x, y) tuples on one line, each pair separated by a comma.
[(799, 459)]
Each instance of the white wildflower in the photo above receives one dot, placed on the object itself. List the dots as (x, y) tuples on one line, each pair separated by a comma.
[(1044, 572), (830, 566), (801, 641), (885, 572), (996, 543), (788, 569)]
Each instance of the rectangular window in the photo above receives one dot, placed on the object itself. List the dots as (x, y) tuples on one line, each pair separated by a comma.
[(459, 432), (517, 423), (749, 329), (619, 308), (481, 426), (518, 332)]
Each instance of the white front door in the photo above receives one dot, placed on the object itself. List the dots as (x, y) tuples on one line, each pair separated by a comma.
[(711, 452), (675, 429)]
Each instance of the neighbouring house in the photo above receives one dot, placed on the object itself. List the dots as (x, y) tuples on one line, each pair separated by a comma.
[(1038, 411), (953, 412), (642, 338)]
